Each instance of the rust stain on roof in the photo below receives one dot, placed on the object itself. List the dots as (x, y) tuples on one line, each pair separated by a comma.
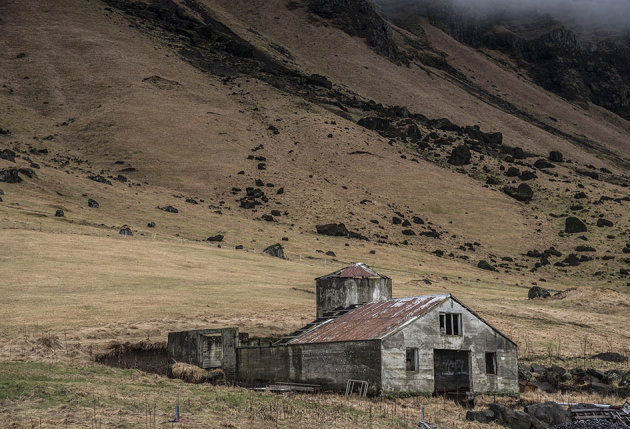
[(353, 271), (371, 321)]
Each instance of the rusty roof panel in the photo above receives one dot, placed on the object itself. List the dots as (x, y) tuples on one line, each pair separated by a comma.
[(353, 271), (371, 321)]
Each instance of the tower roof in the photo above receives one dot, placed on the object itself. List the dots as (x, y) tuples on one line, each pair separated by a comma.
[(357, 270)]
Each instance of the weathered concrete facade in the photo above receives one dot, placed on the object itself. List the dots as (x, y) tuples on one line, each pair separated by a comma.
[(329, 365), (429, 344), (477, 338), (346, 288)]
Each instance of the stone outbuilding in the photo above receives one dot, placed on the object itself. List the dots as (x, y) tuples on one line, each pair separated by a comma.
[(430, 344)]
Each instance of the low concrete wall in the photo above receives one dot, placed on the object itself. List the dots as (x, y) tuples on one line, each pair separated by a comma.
[(327, 364)]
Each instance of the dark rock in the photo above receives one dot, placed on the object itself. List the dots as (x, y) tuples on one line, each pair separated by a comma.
[(432, 234), (610, 357), (93, 203), (481, 416), (579, 196), (275, 250), (319, 80), (572, 260), (512, 172), (28, 172), (543, 163), (491, 180), (262, 166), (151, 224), (375, 123), (583, 248), (169, 209), (121, 178), (444, 125), (556, 156), (538, 292), (217, 237), (10, 175), (600, 388), (330, 253), (484, 265), (527, 175), (280, 191), (273, 129), (460, 155), (406, 223), (538, 369), (523, 193), (239, 247), (268, 218), (601, 222), (59, 213), (513, 419), (125, 231), (524, 374), (100, 179), (417, 220), (276, 213), (550, 413), (408, 232), (396, 220), (333, 229), (574, 225), (8, 155)]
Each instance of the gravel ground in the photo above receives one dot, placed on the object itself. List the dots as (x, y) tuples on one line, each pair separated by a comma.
[(589, 424)]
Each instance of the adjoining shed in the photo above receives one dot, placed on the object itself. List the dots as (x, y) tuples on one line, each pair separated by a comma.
[(431, 344)]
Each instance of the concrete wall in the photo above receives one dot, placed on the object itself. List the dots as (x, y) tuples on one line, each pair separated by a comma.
[(327, 364), (334, 292), (424, 334), (206, 348)]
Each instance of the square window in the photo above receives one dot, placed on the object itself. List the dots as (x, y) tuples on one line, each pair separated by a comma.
[(411, 359), (450, 324), (491, 363)]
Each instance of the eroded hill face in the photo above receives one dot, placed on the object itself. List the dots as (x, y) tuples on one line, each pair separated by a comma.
[(259, 120)]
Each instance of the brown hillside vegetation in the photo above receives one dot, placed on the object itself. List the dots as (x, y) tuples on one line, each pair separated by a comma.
[(99, 102)]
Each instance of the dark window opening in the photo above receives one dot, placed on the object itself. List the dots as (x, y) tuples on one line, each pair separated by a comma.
[(450, 324), (411, 360), (491, 363)]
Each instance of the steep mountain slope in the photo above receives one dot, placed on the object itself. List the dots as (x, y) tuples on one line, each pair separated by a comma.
[(189, 103)]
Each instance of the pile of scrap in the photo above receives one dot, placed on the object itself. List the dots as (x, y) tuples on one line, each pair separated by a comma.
[(291, 388), (610, 413)]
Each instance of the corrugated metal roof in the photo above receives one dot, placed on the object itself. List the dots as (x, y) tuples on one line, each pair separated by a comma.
[(353, 271), (371, 321)]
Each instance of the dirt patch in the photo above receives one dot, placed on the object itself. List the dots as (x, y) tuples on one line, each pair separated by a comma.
[(145, 356)]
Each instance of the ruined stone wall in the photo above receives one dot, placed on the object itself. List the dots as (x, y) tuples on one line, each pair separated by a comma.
[(334, 292), (327, 364), (424, 334)]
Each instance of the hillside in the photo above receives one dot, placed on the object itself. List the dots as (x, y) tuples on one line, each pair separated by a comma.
[(133, 131)]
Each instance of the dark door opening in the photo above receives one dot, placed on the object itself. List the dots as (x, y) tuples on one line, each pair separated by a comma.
[(452, 373)]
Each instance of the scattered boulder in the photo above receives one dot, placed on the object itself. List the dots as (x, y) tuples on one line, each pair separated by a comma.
[(523, 193), (330, 253), (333, 229), (7, 155), (100, 179), (93, 203), (550, 413), (59, 213), (574, 225), (610, 357), (538, 292), (396, 220), (481, 416), (417, 220), (319, 80), (408, 232), (217, 237), (460, 155), (10, 175), (527, 175), (524, 373), (484, 265), (275, 250), (512, 418), (582, 248), (543, 163), (572, 260), (601, 222), (556, 156), (444, 125), (513, 172), (169, 209), (125, 231), (151, 224)]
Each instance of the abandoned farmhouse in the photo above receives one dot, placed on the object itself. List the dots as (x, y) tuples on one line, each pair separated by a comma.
[(422, 344)]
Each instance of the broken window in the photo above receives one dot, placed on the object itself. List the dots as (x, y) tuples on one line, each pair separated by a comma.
[(491, 363), (411, 359), (450, 324)]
